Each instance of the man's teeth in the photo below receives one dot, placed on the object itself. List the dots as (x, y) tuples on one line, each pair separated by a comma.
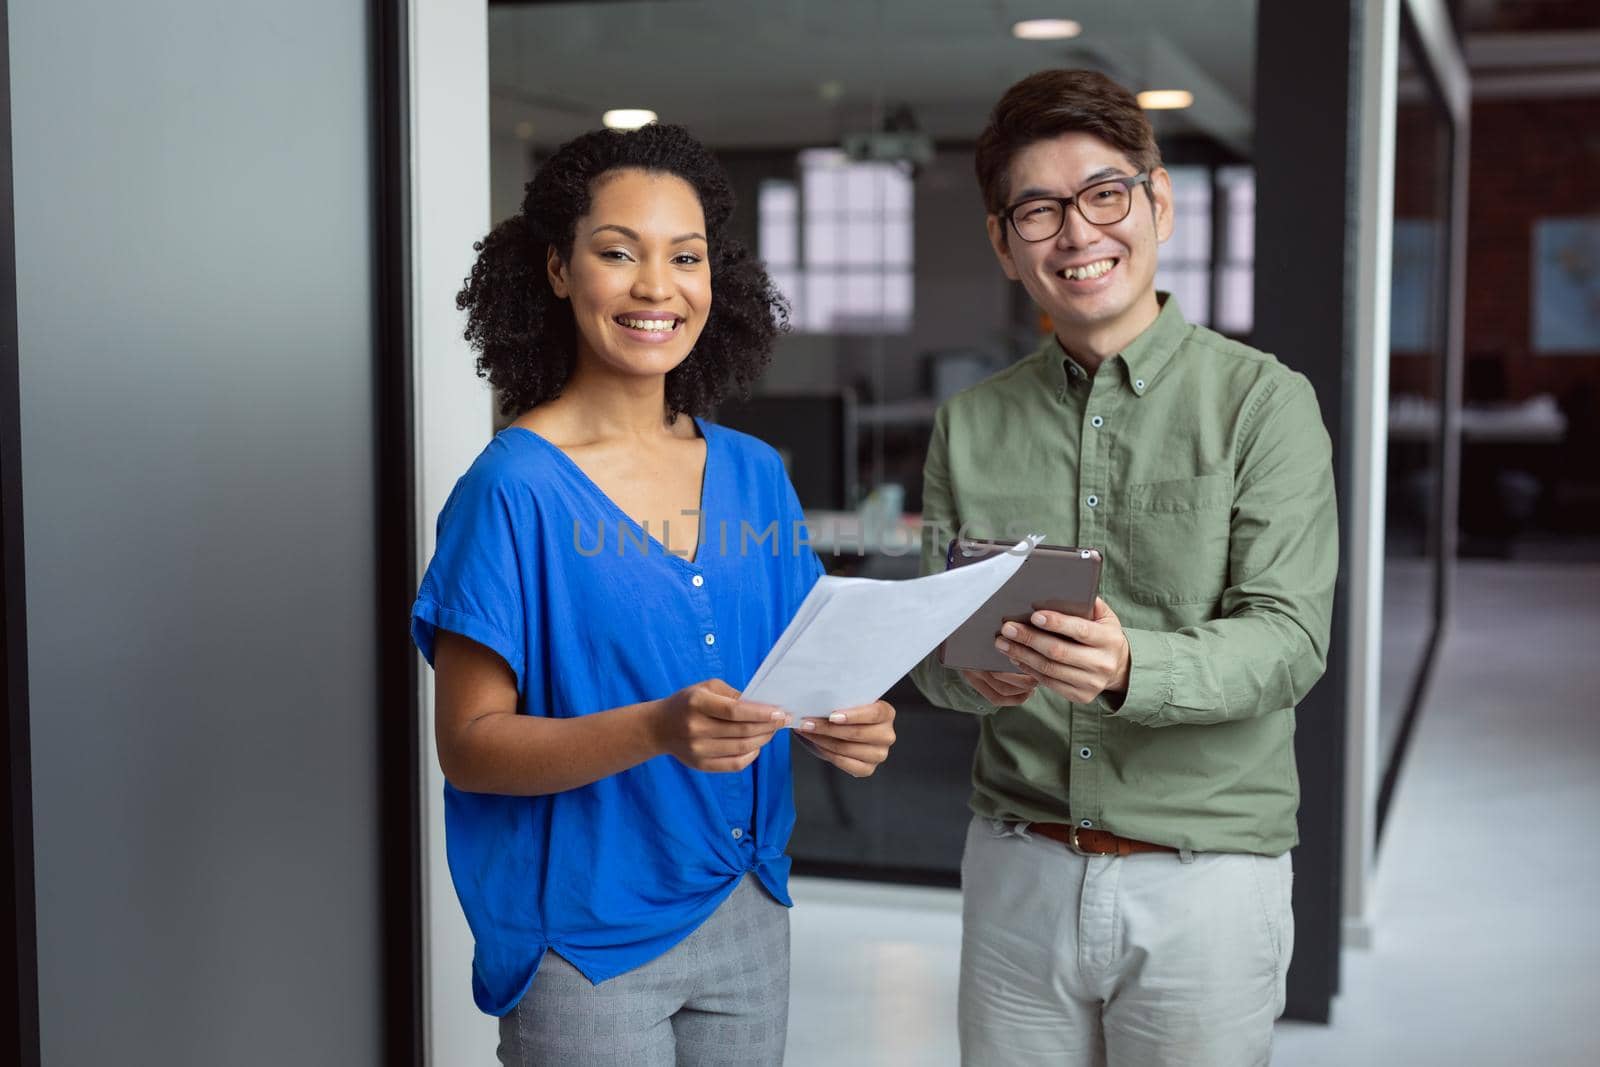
[(653, 325), (1093, 270)]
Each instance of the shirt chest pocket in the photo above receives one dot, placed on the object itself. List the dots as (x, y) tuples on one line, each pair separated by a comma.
[(1177, 539)]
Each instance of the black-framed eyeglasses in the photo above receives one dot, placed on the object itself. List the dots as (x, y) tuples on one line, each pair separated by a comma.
[(1106, 203)]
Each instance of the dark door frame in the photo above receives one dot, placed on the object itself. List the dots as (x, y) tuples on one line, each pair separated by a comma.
[(1306, 155), (19, 953), (20, 941), (398, 707)]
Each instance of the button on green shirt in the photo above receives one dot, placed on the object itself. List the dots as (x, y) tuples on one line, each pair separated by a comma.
[(1201, 469)]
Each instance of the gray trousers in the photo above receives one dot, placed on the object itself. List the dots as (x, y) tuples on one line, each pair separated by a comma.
[(1149, 960), (719, 997)]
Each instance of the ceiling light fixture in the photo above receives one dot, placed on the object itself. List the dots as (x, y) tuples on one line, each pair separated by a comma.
[(627, 118), (1045, 29), (1165, 99)]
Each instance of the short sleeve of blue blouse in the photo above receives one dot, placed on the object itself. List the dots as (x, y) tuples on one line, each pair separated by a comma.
[(590, 612)]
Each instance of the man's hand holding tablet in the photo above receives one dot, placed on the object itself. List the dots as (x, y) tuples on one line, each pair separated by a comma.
[(1047, 623), (1078, 658)]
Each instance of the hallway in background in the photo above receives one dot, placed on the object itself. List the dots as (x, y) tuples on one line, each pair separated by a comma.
[(1486, 923)]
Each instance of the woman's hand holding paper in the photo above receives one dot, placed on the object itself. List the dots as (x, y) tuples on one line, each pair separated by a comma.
[(855, 740)]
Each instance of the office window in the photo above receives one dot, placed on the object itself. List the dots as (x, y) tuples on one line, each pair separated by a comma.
[(778, 238), (1185, 263), (1235, 310), (838, 243)]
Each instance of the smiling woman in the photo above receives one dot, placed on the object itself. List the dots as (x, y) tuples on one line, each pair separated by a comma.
[(614, 812), (528, 340), (637, 275)]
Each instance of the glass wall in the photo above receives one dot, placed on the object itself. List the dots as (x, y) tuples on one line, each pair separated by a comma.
[(1419, 299), (208, 749), (847, 128)]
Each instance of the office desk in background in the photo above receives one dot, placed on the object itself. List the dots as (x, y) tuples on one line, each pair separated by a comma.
[(906, 823), (846, 535), (1537, 421)]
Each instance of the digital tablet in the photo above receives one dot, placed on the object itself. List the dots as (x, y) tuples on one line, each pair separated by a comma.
[(1052, 578)]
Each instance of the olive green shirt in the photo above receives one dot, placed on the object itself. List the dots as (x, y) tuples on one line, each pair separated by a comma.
[(1201, 469)]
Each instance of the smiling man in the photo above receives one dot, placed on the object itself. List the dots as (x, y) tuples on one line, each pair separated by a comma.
[(1126, 880)]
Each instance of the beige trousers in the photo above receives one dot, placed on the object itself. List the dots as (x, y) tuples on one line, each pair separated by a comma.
[(1138, 961)]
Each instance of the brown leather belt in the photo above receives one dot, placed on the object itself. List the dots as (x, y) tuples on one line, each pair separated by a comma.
[(1094, 842)]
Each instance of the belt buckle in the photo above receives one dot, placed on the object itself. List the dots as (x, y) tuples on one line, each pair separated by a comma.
[(1072, 839)]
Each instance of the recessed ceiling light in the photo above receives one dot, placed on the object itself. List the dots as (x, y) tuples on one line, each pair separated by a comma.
[(1045, 29), (628, 118), (1165, 99), (524, 131)]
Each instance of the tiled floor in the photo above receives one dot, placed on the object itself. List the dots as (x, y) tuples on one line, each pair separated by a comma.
[(1488, 925)]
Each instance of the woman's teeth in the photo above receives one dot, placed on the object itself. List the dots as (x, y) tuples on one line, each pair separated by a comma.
[(1093, 270), (652, 325)]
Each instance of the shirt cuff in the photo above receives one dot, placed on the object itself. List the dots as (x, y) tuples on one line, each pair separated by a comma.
[(965, 698), (1149, 676), (946, 688)]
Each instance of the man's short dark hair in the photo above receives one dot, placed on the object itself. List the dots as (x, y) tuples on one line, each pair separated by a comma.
[(1049, 104)]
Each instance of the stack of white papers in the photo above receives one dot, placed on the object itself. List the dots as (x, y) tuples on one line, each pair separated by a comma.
[(853, 638)]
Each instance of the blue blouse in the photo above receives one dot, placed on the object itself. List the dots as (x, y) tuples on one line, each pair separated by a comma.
[(591, 612)]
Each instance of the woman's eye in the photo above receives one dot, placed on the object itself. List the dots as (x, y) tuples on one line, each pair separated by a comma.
[(615, 254), (687, 259)]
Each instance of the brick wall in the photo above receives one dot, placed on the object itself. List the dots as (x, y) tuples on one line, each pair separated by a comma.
[(1530, 159)]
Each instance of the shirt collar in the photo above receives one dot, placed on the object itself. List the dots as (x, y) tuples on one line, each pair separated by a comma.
[(1144, 358), (1151, 351)]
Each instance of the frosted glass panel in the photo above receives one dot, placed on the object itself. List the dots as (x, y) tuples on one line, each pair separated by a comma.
[(1236, 312), (194, 210), (1190, 286), (822, 242), (1191, 197)]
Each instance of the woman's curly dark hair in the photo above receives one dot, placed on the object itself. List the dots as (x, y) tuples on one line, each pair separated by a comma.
[(525, 334)]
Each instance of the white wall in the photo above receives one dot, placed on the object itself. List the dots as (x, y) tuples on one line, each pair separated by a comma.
[(1369, 420), (450, 210), (1369, 432)]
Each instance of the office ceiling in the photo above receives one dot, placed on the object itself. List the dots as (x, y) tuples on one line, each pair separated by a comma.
[(747, 73)]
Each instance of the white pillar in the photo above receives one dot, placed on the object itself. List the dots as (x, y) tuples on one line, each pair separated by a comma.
[(1369, 427), (449, 211)]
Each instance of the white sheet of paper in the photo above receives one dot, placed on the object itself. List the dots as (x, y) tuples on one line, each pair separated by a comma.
[(853, 638)]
